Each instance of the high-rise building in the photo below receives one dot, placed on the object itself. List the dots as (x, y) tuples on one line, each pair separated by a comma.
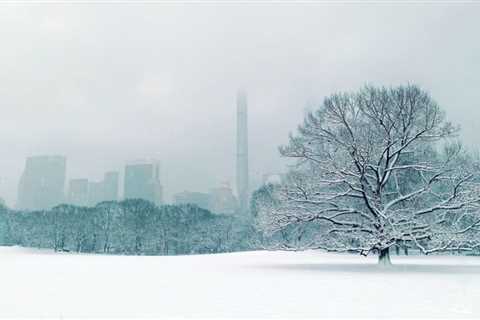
[(95, 193), (42, 183), (200, 199), (82, 192), (242, 152), (110, 186), (142, 181), (78, 192)]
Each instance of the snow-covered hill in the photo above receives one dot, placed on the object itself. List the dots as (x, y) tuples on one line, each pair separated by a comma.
[(251, 284)]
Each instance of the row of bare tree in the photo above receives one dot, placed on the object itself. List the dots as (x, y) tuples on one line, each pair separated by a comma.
[(128, 227)]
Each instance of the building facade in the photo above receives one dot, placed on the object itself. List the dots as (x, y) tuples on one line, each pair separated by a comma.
[(95, 193), (242, 153), (110, 186), (78, 192), (142, 181), (42, 183), (82, 192)]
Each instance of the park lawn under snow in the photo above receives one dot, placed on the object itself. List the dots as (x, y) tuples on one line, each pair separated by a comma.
[(249, 284)]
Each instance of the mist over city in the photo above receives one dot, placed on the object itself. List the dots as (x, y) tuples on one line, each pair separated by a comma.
[(104, 85), (239, 159)]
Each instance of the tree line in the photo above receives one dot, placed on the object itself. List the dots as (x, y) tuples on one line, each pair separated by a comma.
[(130, 227)]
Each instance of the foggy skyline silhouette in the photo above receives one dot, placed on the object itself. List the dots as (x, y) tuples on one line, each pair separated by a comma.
[(106, 84)]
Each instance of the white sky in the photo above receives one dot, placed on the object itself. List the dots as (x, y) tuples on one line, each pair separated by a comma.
[(105, 84)]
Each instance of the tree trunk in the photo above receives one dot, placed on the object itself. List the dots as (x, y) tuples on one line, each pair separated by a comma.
[(384, 257)]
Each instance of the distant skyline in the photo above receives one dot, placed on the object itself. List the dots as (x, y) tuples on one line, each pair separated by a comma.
[(105, 84)]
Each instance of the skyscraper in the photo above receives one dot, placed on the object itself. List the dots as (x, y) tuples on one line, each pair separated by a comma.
[(82, 192), (242, 152), (78, 192), (42, 183), (110, 186), (95, 193), (142, 181)]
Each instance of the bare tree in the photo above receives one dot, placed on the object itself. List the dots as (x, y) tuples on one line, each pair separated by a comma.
[(374, 169)]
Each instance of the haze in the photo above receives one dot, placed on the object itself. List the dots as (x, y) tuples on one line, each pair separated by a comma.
[(106, 84)]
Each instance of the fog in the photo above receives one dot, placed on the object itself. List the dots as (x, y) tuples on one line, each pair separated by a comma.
[(106, 84)]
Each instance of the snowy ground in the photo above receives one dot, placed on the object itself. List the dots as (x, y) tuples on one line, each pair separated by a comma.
[(252, 284)]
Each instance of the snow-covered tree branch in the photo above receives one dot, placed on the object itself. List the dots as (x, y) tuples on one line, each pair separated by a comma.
[(374, 169)]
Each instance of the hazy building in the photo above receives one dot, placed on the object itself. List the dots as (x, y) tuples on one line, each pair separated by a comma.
[(82, 192), (142, 181), (242, 152), (78, 192), (105, 190), (200, 199), (95, 193), (222, 200), (2, 203), (110, 186), (42, 183)]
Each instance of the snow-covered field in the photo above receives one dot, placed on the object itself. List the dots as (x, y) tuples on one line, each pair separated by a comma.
[(252, 284)]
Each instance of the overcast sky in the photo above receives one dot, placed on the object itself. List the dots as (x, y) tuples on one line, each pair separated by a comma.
[(106, 84)]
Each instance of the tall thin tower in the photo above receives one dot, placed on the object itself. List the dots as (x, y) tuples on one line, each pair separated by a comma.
[(242, 152)]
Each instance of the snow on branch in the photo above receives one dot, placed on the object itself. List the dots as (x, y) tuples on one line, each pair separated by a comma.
[(377, 168)]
